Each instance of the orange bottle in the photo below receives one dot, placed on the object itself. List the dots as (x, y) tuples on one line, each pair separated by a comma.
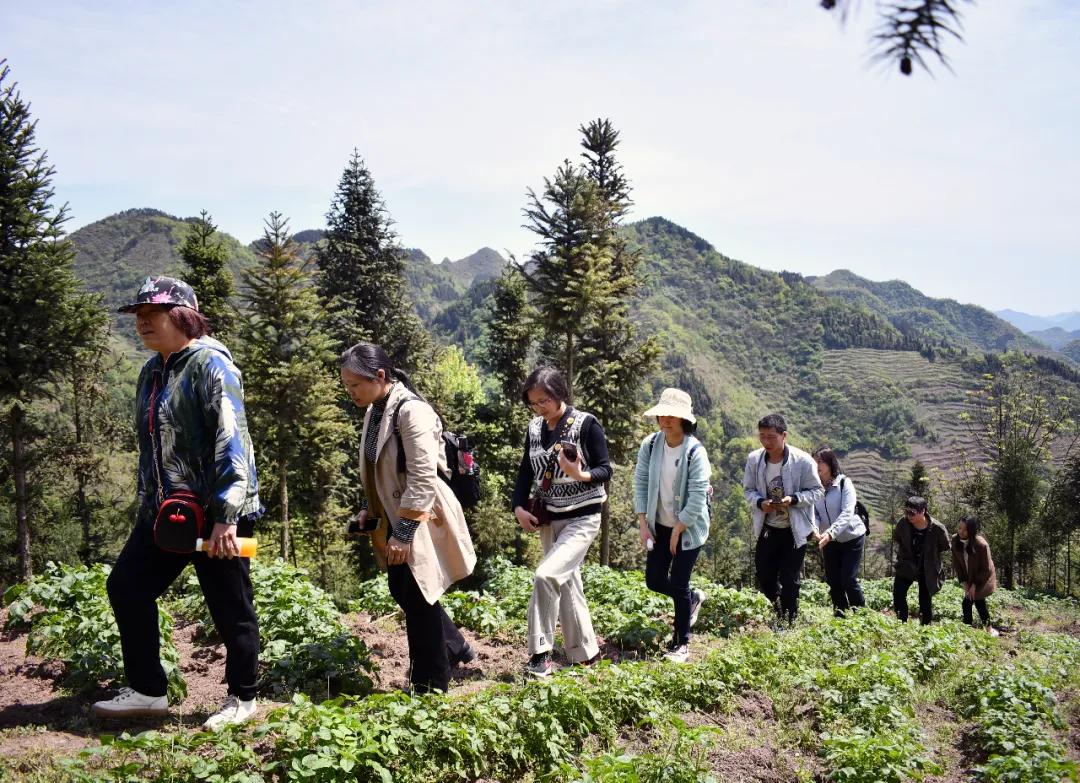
[(248, 546)]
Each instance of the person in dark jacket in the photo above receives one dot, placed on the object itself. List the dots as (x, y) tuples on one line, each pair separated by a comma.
[(193, 438), (974, 568), (920, 541)]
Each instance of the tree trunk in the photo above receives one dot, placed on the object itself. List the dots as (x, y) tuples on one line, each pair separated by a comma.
[(283, 499), (1010, 549), (18, 468), (1068, 563), (570, 362), (605, 530), (82, 507)]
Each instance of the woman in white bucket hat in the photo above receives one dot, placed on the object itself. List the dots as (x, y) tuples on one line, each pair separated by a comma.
[(671, 499)]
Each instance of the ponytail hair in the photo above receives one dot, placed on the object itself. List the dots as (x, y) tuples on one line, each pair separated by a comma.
[(973, 526), (366, 359)]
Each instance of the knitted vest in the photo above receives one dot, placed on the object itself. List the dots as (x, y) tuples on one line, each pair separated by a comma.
[(565, 493)]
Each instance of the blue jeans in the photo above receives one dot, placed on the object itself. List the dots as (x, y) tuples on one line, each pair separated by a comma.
[(671, 576), (842, 560)]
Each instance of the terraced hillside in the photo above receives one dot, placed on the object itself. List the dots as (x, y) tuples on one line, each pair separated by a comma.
[(938, 392)]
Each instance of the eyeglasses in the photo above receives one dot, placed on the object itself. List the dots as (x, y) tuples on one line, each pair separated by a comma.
[(539, 403), (910, 512)]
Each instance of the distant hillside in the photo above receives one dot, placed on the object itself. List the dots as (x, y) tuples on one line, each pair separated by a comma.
[(1072, 350), (919, 316), (1031, 323), (115, 254), (1055, 337)]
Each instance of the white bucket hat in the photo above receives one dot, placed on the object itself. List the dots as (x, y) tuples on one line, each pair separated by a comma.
[(673, 402)]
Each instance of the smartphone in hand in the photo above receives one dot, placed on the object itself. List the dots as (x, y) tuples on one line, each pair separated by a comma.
[(570, 450)]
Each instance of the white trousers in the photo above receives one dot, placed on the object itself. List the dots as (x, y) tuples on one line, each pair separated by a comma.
[(557, 589)]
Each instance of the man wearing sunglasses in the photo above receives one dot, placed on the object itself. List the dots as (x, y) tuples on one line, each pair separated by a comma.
[(920, 541)]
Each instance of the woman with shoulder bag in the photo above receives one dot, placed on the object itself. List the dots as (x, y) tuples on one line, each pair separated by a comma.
[(841, 533), (563, 471), (671, 498), (417, 525), (196, 469)]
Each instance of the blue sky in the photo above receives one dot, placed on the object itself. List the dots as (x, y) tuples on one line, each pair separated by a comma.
[(759, 126)]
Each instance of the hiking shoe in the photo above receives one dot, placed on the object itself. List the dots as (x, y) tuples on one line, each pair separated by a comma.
[(697, 598), (540, 665), (678, 653), (467, 655), (234, 710), (130, 703)]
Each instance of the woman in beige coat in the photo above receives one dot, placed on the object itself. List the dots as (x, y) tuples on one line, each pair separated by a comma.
[(417, 526)]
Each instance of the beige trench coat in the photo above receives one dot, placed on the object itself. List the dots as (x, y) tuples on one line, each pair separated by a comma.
[(442, 549)]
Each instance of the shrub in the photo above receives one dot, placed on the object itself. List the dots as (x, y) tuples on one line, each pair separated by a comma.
[(68, 614)]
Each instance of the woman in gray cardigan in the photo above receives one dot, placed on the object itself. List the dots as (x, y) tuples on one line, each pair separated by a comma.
[(841, 534), (671, 491)]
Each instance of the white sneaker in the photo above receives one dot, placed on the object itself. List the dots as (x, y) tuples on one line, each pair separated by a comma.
[(697, 598), (678, 654), (234, 711), (130, 703)]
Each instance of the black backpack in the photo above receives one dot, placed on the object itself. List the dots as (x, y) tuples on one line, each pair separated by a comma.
[(464, 472), (860, 510)]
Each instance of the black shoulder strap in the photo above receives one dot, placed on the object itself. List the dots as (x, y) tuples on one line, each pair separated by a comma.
[(689, 457), (652, 442), (397, 434)]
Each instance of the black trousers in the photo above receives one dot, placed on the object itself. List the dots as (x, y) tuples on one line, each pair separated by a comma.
[(433, 637), (842, 560), (899, 598), (143, 572), (980, 604), (671, 576), (778, 564)]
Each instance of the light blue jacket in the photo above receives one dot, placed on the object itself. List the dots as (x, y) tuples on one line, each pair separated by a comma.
[(801, 482), (835, 511), (691, 487)]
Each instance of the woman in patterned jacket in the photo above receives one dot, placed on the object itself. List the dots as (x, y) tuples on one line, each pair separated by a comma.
[(564, 469), (193, 438)]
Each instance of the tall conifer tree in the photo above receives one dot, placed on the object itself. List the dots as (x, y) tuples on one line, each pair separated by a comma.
[(362, 273), (206, 260), (291, 395), (582, 278), (45, 317)]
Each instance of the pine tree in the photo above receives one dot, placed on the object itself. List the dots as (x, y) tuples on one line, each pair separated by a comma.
[(582, 277), (361, 276), (570, 274), (205, 257), (510, 334), (45, 317), (614, 363), (291, 395)]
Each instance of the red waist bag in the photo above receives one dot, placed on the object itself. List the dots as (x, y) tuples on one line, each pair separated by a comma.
[(180, 520)]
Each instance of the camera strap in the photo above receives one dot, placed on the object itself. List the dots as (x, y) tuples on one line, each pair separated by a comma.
[(560, 435)]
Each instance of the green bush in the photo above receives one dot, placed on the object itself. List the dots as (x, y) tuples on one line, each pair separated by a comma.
[(305, 646), (67, 612)]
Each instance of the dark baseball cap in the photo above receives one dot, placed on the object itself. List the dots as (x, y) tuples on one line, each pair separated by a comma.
[(163, 291)]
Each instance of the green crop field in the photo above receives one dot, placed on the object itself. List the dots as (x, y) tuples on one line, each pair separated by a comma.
[(863, 698)]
